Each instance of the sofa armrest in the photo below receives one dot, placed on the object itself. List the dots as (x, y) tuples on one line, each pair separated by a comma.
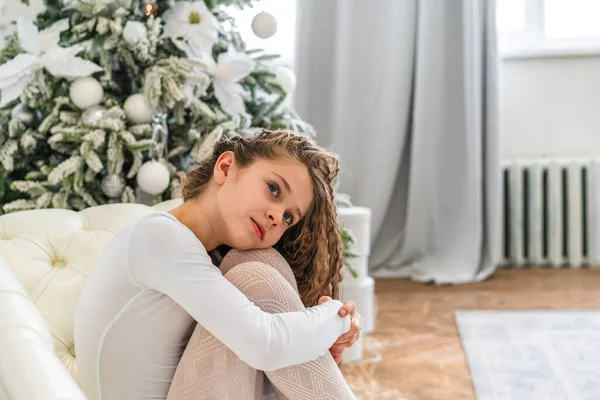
[(29, 368)]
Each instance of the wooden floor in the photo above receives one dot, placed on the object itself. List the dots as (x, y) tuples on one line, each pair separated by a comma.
[(417, 336)]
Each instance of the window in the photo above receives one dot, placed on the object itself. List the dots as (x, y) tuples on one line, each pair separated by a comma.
[(530, 27)]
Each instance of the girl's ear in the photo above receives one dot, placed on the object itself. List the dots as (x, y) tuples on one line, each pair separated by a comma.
[(223, 167)]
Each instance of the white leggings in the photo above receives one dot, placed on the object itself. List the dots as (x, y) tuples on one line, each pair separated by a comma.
[(210, 371)]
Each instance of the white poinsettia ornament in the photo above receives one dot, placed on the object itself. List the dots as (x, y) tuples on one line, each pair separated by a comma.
[(41, 51), (230, 68), (192, 24)]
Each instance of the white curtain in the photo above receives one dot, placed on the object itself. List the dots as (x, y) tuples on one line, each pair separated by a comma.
[(405, 91)]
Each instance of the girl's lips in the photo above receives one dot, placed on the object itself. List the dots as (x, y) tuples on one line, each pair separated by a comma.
[(258, 229)]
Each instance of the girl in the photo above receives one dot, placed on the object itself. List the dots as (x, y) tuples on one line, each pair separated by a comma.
[(155, 279)]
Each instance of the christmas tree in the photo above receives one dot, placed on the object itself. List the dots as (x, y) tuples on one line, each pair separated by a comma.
[(112, 100)]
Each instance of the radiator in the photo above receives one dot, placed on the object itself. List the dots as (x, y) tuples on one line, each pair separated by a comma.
[(551, 212)]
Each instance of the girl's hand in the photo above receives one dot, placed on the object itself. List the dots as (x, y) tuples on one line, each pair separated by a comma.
[(350, 337)]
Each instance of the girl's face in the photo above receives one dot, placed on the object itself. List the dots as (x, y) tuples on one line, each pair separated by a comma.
[(259, 202)]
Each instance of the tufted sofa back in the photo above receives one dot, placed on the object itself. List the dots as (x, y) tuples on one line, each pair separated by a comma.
[(52, 251)]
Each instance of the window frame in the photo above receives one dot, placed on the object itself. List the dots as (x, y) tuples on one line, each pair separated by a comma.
[(532, 42)]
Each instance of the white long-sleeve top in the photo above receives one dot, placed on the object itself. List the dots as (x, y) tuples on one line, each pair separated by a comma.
[(139, 305)]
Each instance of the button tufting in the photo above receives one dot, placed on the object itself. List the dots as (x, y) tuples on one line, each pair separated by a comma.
[(71, 350)]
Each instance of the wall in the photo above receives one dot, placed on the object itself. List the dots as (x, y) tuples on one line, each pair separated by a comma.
[(550, 106)]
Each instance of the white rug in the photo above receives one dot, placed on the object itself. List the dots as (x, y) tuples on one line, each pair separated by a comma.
[(532, 355)]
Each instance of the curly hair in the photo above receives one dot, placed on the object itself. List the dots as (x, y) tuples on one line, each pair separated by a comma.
[(313, 247)]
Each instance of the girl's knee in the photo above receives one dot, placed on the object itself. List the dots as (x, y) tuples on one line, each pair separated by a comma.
[(250, 273), (269, 256), (265, 286), (235, 257)]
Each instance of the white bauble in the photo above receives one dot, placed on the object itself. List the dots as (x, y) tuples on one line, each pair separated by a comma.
[(153, 177), (138, 109), (264, 25), (285, 77), (86, 92), (134, 32)]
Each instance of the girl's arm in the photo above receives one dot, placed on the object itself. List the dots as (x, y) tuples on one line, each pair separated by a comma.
[(164, 255)]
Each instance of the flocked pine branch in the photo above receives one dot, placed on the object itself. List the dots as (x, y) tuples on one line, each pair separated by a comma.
[(59, 160)]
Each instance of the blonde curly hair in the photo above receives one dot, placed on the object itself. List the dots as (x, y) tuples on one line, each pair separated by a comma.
[(313, 247)]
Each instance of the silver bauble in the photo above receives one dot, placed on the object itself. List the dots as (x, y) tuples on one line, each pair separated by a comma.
[(113, 186), (93, 115), (23, 113)]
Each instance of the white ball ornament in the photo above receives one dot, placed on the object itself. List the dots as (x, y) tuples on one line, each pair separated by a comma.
[(285, 77), (86, 92), (153, 177), (264, 25), (134, 32), (138, 109)]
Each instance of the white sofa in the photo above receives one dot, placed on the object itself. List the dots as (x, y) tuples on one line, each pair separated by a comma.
[(45, 257)]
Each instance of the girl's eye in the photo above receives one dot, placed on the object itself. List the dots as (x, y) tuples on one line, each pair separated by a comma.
[(289, 218), (274, 188)]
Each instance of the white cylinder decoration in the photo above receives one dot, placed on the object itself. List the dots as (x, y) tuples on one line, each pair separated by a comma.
[(357, 220), (153, 177), (363, 294), (264, 25), (285, 77), (359, 289), (138, 109), (86, 92), (360, 265), (364, 298), (353, 353)]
